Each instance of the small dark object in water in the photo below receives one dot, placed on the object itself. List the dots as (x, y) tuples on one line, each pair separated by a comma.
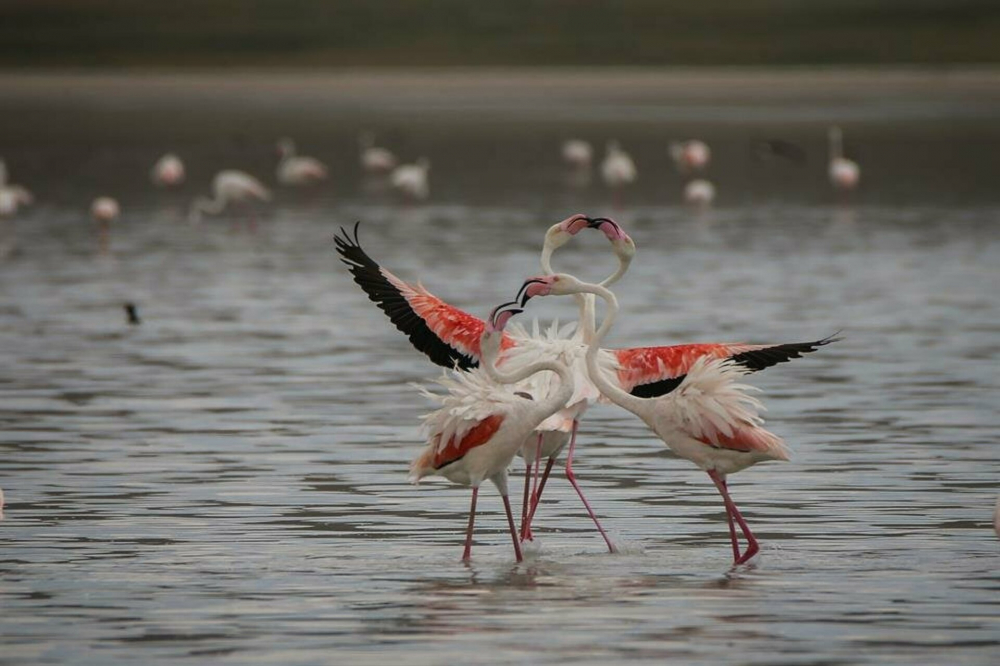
[(132, 314), (771, 148)]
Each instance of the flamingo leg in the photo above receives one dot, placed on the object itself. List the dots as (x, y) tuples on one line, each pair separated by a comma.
[(734, 514), (524, 502), (576, 487), (467, 555), (513, 529), (526, 524), (541, 487)]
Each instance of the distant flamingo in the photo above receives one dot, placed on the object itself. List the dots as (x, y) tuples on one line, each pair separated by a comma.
[(168, 171), (375, 160), (12, 197), (617, 169), (104, 211), (710, 419), (690, 156), (411, 179), (298, 170), (844, 174), (699, 192), (577, 153), (229, 187), (482, 422)]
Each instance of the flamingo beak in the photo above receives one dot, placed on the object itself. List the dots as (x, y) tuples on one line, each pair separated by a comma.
[(524, 294)]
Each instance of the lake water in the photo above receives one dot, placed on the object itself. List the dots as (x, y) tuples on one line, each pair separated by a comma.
[(226, 483)]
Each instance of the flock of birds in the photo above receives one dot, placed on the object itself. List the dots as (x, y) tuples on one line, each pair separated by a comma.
[(234, 188), (508, 392)]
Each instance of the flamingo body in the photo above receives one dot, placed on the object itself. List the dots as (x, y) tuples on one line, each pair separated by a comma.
[(844, 174), (699, 192), (577, 153), (411, 180), (374, 159), (298, 170), (230, 186), (12, 198), (168, 171), (618, 169), (690, 156), (105, 209)]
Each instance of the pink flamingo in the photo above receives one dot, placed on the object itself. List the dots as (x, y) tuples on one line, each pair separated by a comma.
[(104, 211), (297, 170), (690, 156), (844, 174), (709, 419), (168, 171), (482, 422), (230, 186)]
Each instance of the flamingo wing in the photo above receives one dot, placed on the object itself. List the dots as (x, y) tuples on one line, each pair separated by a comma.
[(447, 335), (712, 407), (649, 372)]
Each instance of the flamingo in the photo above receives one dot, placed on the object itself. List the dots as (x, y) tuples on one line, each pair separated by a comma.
[(709, 419), (690, 156), (229, 186), (297, 170), (12, 197), (104, 211), (483, 421), (168, 171), (617, 169), (411, 179), (699, 192), (577, 153), (375, 160), (844, 174)]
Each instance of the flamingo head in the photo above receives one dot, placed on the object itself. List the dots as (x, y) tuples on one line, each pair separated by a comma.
[(560, 284), (560, 233), (492, 337), (622, 243)]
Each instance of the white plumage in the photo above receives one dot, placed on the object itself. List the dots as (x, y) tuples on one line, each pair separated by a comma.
[(168, 171), (617, 169), (411, 179), (229, 186)]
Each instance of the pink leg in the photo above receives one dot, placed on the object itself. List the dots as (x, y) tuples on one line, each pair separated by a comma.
[(513, 529), (468, 535), (576, 487), (541, 488), (524, 502), (734, 513), (526, 524)]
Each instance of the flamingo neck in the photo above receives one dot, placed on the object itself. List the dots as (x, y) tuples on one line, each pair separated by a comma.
[(553, 402), (585, 301), (613, 392)]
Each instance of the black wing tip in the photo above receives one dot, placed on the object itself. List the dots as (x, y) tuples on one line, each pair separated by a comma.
[(834, 337)]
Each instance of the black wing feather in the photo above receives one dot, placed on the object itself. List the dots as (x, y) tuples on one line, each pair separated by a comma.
[(369, 277), (759, 359), (756, 360)]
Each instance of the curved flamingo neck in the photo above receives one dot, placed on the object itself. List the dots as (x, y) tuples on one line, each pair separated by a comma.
[(613, 392), (585, 301), (548, 406)]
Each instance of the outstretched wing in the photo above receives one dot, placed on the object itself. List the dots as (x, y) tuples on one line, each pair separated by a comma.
[(449, 336), (649, 372)]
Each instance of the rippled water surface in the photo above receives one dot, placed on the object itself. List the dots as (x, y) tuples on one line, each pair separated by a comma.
[(227, 481)]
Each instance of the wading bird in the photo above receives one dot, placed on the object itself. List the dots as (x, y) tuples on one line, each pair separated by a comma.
[(844, 174), (699, 192), (375, 160), (708, 419), (104, 211), (297, 170), (617, 169), (483, 421), (411, 180), (577, 153), (229, 186), (168, 171), (690, 156)]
